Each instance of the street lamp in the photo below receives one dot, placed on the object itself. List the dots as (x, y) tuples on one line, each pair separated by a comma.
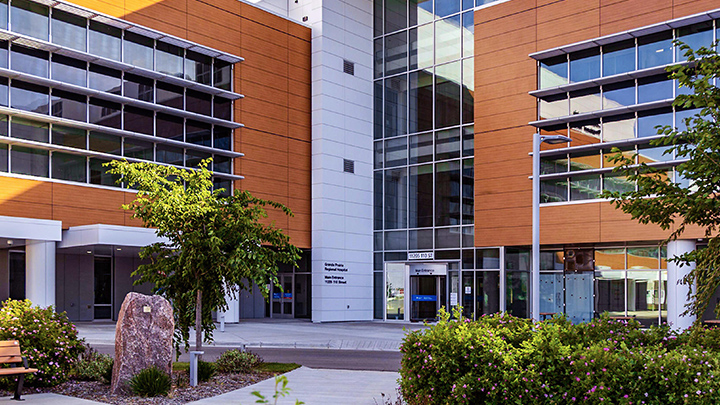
[(537, 140)]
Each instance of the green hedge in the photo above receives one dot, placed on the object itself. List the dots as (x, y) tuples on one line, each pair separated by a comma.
[(503, 359)]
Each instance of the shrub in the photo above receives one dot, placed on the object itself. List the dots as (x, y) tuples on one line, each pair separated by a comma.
[(205, 371), (150, 382), (502, 359), (237, 361), (93, 366), (48, 340)]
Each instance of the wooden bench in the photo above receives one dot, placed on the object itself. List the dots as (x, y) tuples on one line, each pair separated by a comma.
[(10, 354)]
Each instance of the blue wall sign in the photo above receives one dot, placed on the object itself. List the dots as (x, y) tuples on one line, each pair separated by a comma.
[(287, 295), (277, 296), (425, 298)]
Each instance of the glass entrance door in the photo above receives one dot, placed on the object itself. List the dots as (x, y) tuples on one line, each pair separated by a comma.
[(282, 299), (427, 296), (579, 296), (103, 288)]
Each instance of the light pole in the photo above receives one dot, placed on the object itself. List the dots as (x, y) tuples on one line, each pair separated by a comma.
[(535, 288)]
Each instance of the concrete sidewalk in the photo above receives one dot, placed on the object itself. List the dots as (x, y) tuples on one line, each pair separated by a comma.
[(291, 333), (319, 387)]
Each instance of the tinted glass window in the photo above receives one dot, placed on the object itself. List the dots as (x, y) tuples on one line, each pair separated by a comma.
[(105, 143), (221, 164), (222, 108), (104, 40), (695, 36), (198, 133), (4, 54), (584, 187), (396, 106), (654, 89), (447, 144), (396, 195), (3, 91), (169, 59), (446, 7), (3, 157), (468, 33), (421, 148), (169, 154), (396, 152), (222, 75), (421, 11), (648, 120), (447, 96), (67, 136), (583, 101), (99, 175), (421, 101), (69, 30), (104, 79), (378, 58), (169, 126), (584, 65), (138, 87), (223, 138), (138, 149), (31, 162), (447, 193), (618, 95), (619, 128), (468, 141), (554, 106), (104, 113), (69, 70), (420, 212), (198, 102), (3, 14), (193, 158), (31, 61), (396, 50), (447, 39), (198, 68), (422, 53), (169, 95), (30, 19), (138, 120), (69, 167), (468, 92), (619, 58), (68, 105), (30, 130), (395, 15), (553, 72), (138, 50), (29, 97), (655, 50)]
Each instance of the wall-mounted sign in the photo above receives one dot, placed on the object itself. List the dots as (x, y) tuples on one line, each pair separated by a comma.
[(428, 269), (424, 298), (421, 256), (453, 299)]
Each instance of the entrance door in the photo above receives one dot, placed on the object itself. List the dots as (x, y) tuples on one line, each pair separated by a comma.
[(17, 275), (103, 288), (427, 296), (579, 296), (283, 298)]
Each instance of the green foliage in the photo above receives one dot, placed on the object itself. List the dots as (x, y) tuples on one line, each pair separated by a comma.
[(281, 390), (93, 366), (150, 382), (672, 205), (215, 245), (237, 361), (48, 340), (501, 359), (206, 370)]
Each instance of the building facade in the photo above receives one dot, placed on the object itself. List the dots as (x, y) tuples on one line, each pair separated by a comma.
[(399, 133)]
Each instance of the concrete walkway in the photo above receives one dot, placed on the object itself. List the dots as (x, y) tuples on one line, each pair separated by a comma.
[(47, 399), (292, 333), (319, 387)]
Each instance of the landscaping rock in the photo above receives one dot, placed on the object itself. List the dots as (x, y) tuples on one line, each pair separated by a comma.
[(143, 338)]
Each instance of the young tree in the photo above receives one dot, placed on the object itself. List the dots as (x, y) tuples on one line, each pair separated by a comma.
[(214, 245), (694, 201)]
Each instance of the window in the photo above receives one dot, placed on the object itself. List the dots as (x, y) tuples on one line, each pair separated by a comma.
[(396, 152), (169, 95), (222, 164), (654, 88), (396, 49), (67, 136), (69, 167), (448, 45), (447, 193), (105, 143), (138, 149), (193, 158), (655, 50), (105, 113), (30, 130), (29, 97), (553, 72), (105, 79), (138, 120), (421, 148), (29, 161), (619, 58), (138, 87), (198, 68), (169, 154), (222, 108), (30, 61), (69, 70), (396, 106), (222, 75), (447, 144), (30, 19), (169, 59), (169, 126), (447, 95), (3, 157), (395, 15), (99, 174), (105, 40), (618, 95), (198, 133), (68, 105), (197, 102), (69, 30), (138, 50)]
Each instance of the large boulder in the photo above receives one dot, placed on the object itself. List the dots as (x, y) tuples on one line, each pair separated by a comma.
[(143, 338)]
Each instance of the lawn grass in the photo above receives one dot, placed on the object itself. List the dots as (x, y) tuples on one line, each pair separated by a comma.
[(264, 367)]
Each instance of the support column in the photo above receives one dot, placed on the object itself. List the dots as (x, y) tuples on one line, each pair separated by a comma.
[(676, 292), (40, 272)]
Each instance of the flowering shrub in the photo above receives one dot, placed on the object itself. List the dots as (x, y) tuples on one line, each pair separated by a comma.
[(48, 340), (501, 359)]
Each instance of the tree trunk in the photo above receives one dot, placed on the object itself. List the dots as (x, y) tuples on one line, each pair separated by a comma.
[(198, 321)]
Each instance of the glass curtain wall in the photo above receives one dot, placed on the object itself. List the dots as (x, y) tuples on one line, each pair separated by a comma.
[(423, 130)]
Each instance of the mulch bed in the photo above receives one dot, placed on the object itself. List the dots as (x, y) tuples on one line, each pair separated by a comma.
[(181, 392)]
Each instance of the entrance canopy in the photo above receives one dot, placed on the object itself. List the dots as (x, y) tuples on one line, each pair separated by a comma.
[(99, 234)]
